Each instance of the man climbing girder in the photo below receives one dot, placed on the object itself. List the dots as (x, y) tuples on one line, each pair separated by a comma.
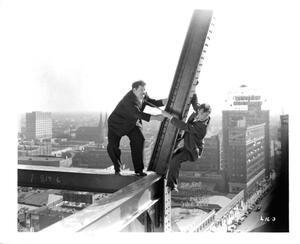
[(190, 145)]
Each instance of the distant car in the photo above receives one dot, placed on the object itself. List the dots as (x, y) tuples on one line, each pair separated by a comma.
[(258, 209)]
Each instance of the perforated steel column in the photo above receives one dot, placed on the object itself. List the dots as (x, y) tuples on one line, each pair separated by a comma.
[(167, 208)]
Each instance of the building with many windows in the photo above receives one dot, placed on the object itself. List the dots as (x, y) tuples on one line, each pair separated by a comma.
[(245, 157), (245, 141), (38, 125), (246, 110)]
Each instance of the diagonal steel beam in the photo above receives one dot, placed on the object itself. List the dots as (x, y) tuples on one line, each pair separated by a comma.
[(185, 80), (77, 179)]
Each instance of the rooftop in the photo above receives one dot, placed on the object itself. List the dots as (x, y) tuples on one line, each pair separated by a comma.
[(222, 201), (182, 219), (40, 158)]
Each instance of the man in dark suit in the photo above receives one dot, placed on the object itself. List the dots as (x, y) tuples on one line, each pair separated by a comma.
[(126, 119), (189, 146)]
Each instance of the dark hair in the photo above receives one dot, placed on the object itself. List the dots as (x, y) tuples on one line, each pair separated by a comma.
[(138, 83), (206, 107)]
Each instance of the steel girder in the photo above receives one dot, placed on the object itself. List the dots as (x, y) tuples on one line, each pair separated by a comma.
[(117, 211), (183, 87), (76, 179)]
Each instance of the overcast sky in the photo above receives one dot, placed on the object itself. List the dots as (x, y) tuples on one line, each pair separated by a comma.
[(83, 55)]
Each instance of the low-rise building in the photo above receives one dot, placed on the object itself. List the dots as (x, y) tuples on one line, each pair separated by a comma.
[(45, 161), (191, 220), (43, 217), (99, 158)]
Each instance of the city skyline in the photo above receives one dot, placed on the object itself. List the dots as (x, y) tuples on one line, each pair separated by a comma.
[(75, 57)]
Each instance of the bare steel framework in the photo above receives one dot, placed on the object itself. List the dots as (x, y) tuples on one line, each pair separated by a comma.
[(136, 204), (182, 90)]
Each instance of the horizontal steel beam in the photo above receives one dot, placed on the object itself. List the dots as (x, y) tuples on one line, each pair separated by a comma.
[(117, 211), (76, 179)]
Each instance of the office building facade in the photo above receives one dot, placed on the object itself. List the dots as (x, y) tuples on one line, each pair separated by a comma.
[(245, 134), (245, 158), (38, 125)]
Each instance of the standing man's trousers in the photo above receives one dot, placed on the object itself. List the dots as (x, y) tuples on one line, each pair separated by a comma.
[(136, 144)]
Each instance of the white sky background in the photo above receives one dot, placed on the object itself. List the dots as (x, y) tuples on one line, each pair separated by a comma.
[(83, 55)]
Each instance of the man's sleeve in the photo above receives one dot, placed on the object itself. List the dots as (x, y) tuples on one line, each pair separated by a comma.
[(140, 115), (184, 126), (157, 103), (145, 116), (194, 102)]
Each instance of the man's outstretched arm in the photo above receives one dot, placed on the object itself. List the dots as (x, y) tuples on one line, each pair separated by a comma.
[(180, 124), (194, 102), (155, 103)]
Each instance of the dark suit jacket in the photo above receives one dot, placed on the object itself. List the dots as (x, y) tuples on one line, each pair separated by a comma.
[(130, 110), (194, 133)]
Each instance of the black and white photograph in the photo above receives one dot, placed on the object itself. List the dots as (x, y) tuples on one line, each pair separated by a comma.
[(126, 117)]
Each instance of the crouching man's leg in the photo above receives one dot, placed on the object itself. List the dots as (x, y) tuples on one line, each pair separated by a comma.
[(114, 151), (180, 156)]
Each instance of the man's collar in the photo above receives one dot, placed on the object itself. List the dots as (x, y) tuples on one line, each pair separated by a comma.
[(203, 121), (134, 97)]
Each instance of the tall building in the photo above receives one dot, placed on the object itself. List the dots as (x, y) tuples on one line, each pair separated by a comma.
[(245, 110), (284, 139), (245, 158), (38, 125), (279, 203), (241, 122)]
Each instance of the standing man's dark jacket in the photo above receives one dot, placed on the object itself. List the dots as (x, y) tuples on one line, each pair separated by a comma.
[(128, 112)]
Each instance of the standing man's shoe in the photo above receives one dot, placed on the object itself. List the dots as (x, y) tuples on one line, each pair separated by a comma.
[(118, 173), (140, 174)]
